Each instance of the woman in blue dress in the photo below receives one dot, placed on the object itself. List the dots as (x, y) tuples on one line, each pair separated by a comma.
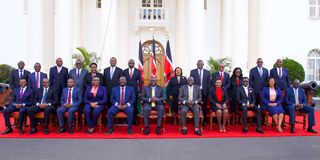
[(271, 98)]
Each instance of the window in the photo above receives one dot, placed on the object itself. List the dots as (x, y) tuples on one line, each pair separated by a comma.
[(314, 9), (98, 5), (152, 9), (313, 64)]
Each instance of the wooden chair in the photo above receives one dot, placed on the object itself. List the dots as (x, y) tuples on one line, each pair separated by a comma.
[(190, 116), (15, 116), (304, 119), (76, 116), (99, 122), (40, 115), (154, 115), (120, 115)]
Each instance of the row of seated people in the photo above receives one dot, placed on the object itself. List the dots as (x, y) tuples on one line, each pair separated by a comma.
[(123, 100)]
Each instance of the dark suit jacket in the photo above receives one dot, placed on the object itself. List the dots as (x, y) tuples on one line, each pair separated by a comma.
[(233, 89), (76, 97), (225, 82), (26, 98), (213, 96), (101, 96), (257, 82), (135, 81), (206, 83), (15, 80), (184, 94), (243, 98), (79, 81), (265, 96), (88, 79), (32, 83), (52, 96), (173, 86), (159, 94), (110, 83), (284, 81), (290, 99), (58, 80), (129, 96)]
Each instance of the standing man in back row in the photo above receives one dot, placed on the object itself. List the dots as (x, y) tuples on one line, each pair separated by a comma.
[(281, 75), (58, 76), (18, 74), (202, 79)]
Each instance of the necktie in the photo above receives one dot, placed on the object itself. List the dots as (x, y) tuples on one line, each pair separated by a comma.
[(190, 93), (296, 96), (221, 76), (69, 96), (111, 72), (37, 80), (280, 74), (238, 82), (44, 98), (21, 74), (78, 74), (200, 74), (122, 96), (21, 93), (260, 71), (130, 73), (153, 104)]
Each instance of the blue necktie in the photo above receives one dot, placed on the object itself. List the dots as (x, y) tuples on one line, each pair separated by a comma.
[(44, 96)]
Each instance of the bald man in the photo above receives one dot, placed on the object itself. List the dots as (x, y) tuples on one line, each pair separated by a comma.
[(58, 76)]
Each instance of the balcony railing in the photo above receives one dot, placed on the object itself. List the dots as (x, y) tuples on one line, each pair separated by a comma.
[(152, 17)]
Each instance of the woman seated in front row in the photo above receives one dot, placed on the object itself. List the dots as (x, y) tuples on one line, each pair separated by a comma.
[(218, 100), (95, 100), (271, 98)]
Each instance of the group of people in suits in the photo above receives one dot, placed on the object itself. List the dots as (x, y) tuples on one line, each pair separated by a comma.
[(116, 90)]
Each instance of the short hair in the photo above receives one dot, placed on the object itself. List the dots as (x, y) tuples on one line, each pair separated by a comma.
[(93, 63)]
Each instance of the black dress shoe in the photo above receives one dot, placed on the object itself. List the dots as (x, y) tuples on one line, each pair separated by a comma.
[(259, 130), (135, 122), (61, 130), (46, 131), (109, 131), (33, 130), (21, 131), (292, 130), (244, 130), (158, 131), (198, 132), (184, 131), (70, 130), (312, 130), (8, 130), (130, 131), (146, 131)]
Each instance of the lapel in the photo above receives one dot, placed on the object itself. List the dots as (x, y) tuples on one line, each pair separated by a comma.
[(194, 95)]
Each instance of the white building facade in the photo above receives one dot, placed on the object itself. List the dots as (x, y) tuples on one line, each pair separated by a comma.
[(40, 31)]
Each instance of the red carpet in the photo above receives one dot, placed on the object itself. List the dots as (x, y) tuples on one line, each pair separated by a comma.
[(171, 132)]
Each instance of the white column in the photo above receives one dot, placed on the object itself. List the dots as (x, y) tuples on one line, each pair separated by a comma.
[(240, 20), (179, 57), (77, 24), (35, 31), (49, 32), (64, 33), (253, 51), (123, 52), (226, 30), (195, 32)]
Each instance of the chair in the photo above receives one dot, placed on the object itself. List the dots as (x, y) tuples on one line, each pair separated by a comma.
[(304, 119), (120, 115), (76, 116), (99, 122), (154, 115), (40, 115), (190, 116), (15, 116)]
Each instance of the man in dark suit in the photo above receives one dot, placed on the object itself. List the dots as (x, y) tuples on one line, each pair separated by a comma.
[(58, 76), (111, 77), (78, 74), (295, 99), (35, 79), (224, 76), (153, 98), (122, 100), (202, 78), (45, 99), (133, 77), (281, 76), (70, 101), (258, 78), (190, 97), (246, 101), (18, 74), (21, 101)]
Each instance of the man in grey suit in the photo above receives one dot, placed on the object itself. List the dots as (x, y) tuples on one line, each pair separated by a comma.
[(190, 97), (153, 97), (78, 74)]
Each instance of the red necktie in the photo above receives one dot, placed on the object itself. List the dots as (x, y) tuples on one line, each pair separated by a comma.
[(37, 80), (221, 76), (280, 74), (69, 96), (238, 82), (130, 73), (122, 96)]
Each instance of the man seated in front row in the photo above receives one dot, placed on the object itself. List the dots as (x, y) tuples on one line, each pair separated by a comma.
[(190, 97), (153, 97), (70, 102), (45, 99), (21, 101), (246, 101), (122, 100), (295, 99)]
